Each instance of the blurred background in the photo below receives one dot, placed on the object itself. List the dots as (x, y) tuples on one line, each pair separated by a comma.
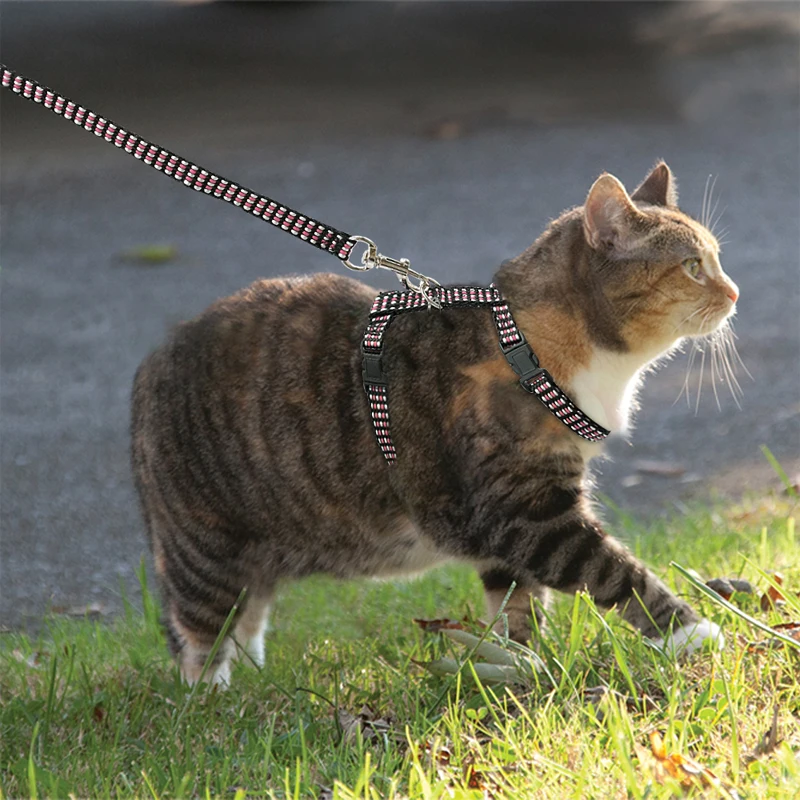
[(448, 133)]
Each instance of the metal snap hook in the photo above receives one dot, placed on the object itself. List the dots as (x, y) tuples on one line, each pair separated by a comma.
[(401, 267), (369, 258)]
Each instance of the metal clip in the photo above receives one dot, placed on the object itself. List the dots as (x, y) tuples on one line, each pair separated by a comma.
[(371, 258)]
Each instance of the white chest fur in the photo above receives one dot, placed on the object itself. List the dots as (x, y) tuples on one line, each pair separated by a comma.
[(606, 389)]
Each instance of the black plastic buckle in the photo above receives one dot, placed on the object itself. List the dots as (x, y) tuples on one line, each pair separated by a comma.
[(524, 362), (372, 372)]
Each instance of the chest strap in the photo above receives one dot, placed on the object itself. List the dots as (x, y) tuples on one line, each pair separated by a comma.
[(514, 346)]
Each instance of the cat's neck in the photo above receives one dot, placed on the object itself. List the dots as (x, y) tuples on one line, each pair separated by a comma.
[(602, 382)]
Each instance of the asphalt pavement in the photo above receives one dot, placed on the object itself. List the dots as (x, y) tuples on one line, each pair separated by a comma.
[(450, 134)]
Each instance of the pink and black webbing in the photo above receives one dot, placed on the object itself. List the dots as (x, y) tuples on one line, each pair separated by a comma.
[(533, 378), (514, 346), (305, 228)]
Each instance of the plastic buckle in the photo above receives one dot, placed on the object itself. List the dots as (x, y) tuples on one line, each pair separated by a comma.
[(371, 369), (524, 363)]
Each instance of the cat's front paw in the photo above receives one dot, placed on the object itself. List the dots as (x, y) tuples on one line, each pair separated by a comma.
[(691, 637)]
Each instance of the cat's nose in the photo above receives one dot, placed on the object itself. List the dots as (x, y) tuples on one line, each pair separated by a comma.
[(732, 290)]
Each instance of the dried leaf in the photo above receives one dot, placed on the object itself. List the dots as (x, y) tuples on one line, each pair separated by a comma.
[(474, 779), (685, 770), (657, 746), (371, 728), (151, 255), (773, 597), (349, 724), (436, 625), (487, 673), (769, 741), (90, 611), (98, 713), (34, 660), (501, 664), (762, 647), (722, 586), (668, 469), (493, 653), (443, 754), (447, 130), (597, 694), (789, 628), (726, 587)]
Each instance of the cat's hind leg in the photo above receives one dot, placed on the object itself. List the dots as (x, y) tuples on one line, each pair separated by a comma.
[(193, 649), (251, 627), (198, 592), (528, 598)]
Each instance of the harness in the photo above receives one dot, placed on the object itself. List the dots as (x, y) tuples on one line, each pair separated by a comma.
[(426, 293), (519, 354)]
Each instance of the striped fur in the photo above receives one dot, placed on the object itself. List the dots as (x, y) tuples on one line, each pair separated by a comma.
[(255, 461)]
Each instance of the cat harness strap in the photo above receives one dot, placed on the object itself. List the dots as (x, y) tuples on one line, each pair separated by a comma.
[(532, 377)]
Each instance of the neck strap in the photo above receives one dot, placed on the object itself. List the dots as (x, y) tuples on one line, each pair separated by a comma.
[(514, 346)]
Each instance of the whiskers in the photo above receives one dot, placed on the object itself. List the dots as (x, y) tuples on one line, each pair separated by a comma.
[(709, 218), (724, 362), (719, 346)]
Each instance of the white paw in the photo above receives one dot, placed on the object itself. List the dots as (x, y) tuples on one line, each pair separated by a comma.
[(691, 637), (219, 676), (252, 652)]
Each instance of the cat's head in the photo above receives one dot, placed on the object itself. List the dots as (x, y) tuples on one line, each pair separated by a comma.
[(657, 267), (625, 272)]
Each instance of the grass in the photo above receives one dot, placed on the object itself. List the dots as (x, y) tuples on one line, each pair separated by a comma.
[(342, 709)]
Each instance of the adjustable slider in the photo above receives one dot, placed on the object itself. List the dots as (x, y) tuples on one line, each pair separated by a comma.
[(524, 363), (371, 369)]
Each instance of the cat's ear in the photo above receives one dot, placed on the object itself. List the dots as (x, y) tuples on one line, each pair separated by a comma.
[(608, 214), (659, 188)]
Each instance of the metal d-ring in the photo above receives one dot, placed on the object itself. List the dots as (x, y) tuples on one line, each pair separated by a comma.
[(424, 287), (371, 258)]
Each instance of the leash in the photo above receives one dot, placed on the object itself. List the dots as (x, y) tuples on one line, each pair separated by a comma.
[(513, 344), (307, 229), (425, 293)]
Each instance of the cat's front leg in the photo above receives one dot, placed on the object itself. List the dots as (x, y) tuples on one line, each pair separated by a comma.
[(527, 599), (581, 556)]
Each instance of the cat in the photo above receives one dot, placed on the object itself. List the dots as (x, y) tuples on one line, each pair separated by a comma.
[(255, 459)]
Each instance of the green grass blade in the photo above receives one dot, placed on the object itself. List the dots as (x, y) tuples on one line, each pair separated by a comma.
[(150, 787), (779, 471), (32, 765), (721, 601)]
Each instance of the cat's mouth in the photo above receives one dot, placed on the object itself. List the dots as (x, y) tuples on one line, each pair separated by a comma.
[(710, 319)]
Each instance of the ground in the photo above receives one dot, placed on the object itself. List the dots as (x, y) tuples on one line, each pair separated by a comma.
[(449, 135)]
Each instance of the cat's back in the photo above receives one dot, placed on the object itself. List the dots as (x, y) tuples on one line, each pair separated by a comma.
[(269, 327), (251, 387)]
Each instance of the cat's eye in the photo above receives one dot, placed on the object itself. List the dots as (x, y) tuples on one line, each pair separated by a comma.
[(692, 266)]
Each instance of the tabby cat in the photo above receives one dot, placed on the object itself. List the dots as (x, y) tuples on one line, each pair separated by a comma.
[(255, 458)]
